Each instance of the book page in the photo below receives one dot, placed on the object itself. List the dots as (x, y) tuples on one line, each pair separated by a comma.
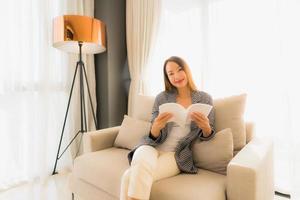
[(198, 107), (178, 111), (181, 116)]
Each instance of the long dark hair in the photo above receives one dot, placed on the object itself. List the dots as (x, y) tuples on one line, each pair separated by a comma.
[(186, 69)]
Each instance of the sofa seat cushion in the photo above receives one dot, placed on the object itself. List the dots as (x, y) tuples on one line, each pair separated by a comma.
[(103, 169), (204, 185)]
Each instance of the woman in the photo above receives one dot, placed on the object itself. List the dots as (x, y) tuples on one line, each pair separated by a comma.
[(166, 151)]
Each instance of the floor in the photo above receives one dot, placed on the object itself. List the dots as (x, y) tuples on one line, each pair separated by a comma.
[(52, 188)]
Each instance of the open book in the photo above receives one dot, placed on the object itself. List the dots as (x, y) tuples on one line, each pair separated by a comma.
[(181, 116)]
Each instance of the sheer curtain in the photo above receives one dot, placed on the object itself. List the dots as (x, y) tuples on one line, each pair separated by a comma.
[(35, 80), (237, 46), (141, 27), (179, 34)]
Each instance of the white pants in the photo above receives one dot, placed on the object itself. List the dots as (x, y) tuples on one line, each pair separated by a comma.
[(148, 165)]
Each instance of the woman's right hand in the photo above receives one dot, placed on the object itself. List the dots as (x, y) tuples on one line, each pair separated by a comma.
[(160, 122)]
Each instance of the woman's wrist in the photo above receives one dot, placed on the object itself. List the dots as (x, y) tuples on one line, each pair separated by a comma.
[(152, 137), (154, 132), (207, 131)]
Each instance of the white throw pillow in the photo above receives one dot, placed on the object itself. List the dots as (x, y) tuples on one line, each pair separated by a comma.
[(131, 132), (216, 153), (229, 113)]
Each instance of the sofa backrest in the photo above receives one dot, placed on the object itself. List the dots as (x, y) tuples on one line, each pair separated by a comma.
[(144, 104), (143, 108)]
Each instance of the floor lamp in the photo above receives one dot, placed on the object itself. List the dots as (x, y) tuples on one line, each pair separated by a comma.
[(81, 35)]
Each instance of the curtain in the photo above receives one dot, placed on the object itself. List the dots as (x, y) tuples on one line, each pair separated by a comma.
[(179, 33), (238, 46), (141, 24), (35, 80)]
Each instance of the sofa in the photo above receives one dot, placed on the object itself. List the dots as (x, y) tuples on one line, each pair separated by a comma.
[(97, 173)]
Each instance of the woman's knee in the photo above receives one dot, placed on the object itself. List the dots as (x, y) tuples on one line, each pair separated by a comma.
[(145, 150), (145, 154)]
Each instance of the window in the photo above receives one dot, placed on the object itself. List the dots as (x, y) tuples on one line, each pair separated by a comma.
[(238, 46)]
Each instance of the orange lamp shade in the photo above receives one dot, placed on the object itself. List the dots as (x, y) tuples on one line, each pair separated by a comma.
[(68, 30)]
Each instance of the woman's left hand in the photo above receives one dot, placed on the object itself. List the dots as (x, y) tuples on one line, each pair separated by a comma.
[(202, 122)]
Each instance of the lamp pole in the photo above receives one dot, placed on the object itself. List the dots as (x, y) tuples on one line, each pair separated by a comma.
[(83, 123), (70, 33)]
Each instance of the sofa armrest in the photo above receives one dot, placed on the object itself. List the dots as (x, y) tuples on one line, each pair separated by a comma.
[(100, 139), (250, 172)]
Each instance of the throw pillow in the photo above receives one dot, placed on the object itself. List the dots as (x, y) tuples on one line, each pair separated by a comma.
[(214, 154), (131, 132), (229, 113)]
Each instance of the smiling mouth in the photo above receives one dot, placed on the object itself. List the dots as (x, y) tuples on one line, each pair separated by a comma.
[(179, 81)]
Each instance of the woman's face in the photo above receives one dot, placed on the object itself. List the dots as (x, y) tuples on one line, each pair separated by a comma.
[(176, 75)]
